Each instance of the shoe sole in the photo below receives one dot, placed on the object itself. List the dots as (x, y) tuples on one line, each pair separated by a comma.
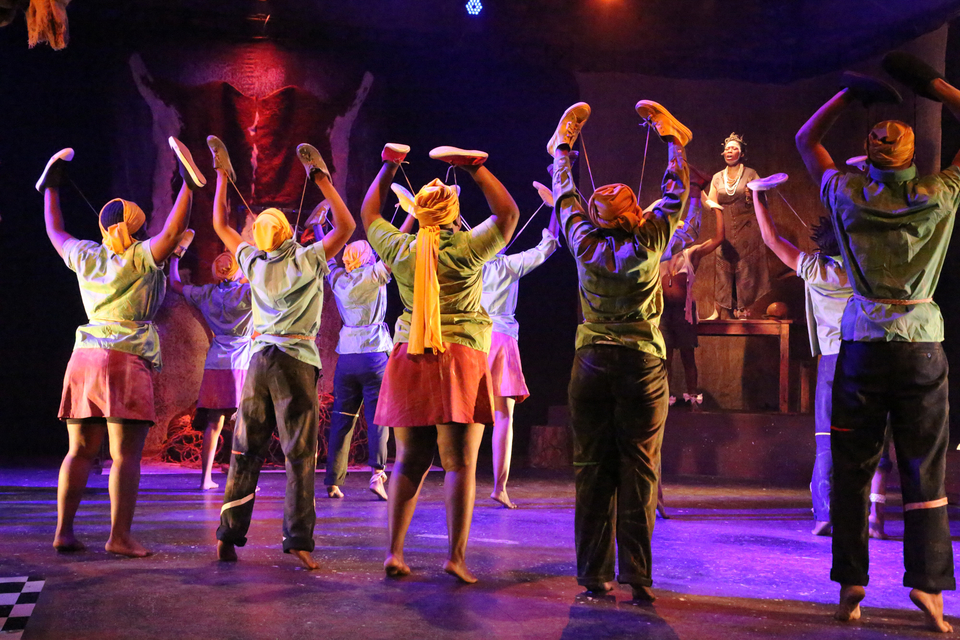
[(650, 110), (570, 115), (64, 155), (405, 197), (216, 146), (770, 182), (458, 156), (186, 159), (311, 159)]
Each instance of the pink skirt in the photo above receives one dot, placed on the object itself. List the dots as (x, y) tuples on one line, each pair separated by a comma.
[(505, 368), (221, 389), (430, 389), (104, 383)]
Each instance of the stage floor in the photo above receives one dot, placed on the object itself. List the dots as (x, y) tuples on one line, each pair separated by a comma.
[(733, 561)]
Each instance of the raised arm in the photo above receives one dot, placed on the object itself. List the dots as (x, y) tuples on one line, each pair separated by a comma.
[(502, 206), (708, 247), (342, 219), (163, 244), (175, 283), (228, 235), (53, 219), (788, 253), (377, 193), (808, 139)]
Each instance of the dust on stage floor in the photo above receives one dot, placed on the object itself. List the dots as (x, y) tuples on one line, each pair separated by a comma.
[(733, 561)]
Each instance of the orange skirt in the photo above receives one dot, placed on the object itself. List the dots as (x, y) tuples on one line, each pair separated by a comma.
[(504, 359), (104, 383), (431, 389)]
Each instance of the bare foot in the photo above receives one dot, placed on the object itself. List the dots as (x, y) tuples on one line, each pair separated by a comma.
[(395, 567), (333, 491), (849, 608), (305, 559), (503, 499), (642, 594), (932, 606), (226, 552), (208, 484), (459, 571), (64, 543), (662, 510), (821, 528), (599, 589), (877, 533), (127, 547)]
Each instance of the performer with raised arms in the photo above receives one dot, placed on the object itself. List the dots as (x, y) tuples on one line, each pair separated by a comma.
[(108, 386), (280, 390), (437, 389)]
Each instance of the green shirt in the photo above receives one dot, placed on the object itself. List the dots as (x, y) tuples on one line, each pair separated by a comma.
[(620, 293), (286, 287), (459, 270), (894, 229), (121, 295)]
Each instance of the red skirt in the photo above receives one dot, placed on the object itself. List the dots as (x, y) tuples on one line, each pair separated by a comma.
[(504, 359), (221, 389), (431, 389), (104, 383)]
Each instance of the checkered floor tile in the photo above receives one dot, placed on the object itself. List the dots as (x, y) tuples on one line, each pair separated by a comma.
[(18, 596)]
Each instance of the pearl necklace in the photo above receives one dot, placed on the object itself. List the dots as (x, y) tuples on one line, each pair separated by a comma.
[(731, 188)]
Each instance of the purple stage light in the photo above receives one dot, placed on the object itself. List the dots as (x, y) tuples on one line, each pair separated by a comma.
[(474, 7)]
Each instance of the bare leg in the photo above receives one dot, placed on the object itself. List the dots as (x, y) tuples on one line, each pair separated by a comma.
[(849, 608), (208, 450), (85, 440), (414, 457), (502, 448), (459, 445), (878, 488), (126, 448), (932, 606)]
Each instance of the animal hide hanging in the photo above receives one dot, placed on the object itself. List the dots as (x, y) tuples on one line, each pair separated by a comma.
[(47, 22)]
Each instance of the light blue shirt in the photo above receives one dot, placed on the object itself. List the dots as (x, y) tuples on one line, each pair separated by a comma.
[(121, 295), (287, 291), (827, 292), (227, 309), (501, 280), (361, 297)]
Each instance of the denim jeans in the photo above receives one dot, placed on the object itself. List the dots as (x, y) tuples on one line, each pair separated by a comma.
[(280, 392), (618, 406), (907, 383), (357, 379), (823, 465)]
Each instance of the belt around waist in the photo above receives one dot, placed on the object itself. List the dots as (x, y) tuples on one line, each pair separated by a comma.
[(896, 301), (292, 336)]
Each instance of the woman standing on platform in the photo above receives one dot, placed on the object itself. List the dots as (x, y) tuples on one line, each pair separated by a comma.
[(108, 386), (436, 390), (742, 275)]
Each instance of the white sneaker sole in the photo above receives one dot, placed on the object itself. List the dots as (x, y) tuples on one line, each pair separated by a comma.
[(66, 155), (183, 155)]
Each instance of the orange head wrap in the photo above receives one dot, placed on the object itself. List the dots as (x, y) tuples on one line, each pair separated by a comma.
[(271, 229), (614, 206), (357, 254), (224, 267), (119, 220), (890, 144), (436, 204)]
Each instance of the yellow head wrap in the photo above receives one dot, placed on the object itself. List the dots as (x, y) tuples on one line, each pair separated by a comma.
[(271, 229), (224, 267), (890, 144), (436, 204), (119, 220), (357, 254), (614, 206)]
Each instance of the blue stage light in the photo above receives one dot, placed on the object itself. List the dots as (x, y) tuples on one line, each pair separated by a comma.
[(474, 7)]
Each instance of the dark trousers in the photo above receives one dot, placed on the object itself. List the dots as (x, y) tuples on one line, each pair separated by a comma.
[(618, 406), (907, 382), (280, 392), (357, 379), (823, 464)]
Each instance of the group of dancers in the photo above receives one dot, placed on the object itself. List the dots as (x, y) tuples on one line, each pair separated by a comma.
[(453, 362)]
